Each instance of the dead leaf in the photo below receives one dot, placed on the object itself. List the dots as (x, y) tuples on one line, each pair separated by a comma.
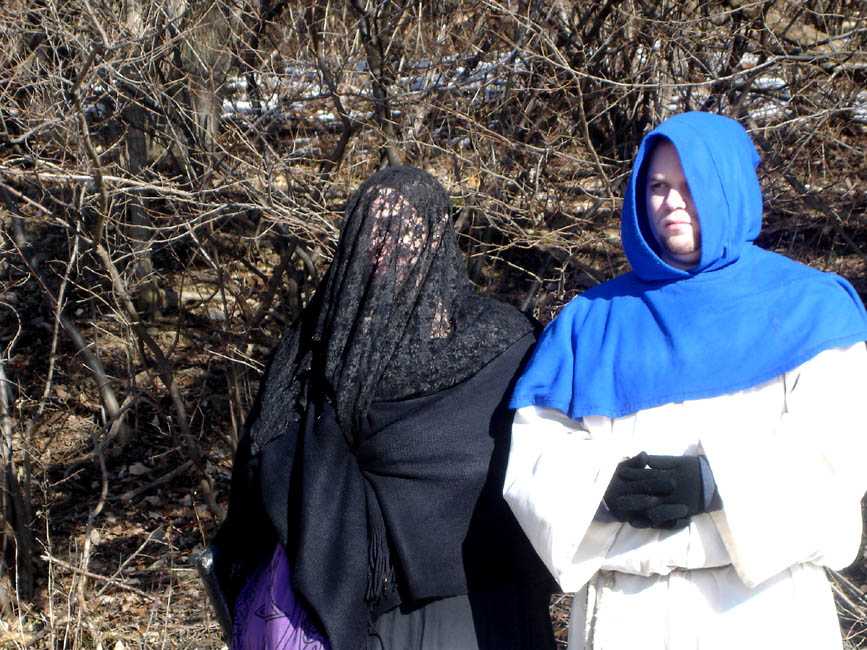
[(138, 469)]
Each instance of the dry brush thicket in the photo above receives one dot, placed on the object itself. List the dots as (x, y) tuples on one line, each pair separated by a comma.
[(172, 174)]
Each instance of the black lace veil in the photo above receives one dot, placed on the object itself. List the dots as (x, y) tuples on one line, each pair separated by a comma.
[(396, 315)]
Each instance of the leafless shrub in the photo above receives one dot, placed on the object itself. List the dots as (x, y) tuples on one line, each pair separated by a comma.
[(172, 175)]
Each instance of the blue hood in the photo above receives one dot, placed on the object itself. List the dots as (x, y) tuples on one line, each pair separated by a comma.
[(719, 162), (660, 334)]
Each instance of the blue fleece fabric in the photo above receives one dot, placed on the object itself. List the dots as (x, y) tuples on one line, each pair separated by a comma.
[(658, 334)]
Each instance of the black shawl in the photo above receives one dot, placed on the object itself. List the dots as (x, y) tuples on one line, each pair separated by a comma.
[(358, 490)]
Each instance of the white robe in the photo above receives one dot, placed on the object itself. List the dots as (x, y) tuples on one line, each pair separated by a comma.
[(788, 459)]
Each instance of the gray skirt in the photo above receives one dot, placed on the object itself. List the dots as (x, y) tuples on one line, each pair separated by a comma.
[(507, 619)]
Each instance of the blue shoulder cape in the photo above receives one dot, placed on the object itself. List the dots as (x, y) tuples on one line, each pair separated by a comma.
[(660, 334)]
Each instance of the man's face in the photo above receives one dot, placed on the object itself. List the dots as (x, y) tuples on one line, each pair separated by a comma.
[(670, 208), (404, 249)]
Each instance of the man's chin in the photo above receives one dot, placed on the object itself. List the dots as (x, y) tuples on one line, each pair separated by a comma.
[(682, 259)]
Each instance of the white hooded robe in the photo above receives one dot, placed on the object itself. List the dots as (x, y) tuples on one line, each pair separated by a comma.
[(789, 459)]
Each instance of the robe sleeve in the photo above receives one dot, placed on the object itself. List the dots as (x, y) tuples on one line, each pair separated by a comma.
[(555, 480), (791, 491)]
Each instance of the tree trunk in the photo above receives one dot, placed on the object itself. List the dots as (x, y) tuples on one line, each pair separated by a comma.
[(17, 508)]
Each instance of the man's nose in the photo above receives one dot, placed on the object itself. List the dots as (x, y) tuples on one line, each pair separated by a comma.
[(675, 200)]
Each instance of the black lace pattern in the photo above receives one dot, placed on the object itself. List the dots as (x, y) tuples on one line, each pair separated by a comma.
[(396, 315)]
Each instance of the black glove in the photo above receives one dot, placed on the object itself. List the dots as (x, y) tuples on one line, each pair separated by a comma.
[(657, 491), (633, 491)]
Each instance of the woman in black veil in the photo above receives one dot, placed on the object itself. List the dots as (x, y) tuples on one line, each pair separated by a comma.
[(365, 510)]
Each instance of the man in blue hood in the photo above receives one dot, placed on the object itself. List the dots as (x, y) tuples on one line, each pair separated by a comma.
[(686, 454)]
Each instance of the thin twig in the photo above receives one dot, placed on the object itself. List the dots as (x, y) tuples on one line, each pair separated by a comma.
[(129, 559), (162, 480), (96, 576)]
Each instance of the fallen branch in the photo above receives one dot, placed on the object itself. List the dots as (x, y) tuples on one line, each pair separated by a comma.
[(165, 478), (96, 576)]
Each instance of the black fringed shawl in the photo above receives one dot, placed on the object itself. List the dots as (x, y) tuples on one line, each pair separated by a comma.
[(369, 447)]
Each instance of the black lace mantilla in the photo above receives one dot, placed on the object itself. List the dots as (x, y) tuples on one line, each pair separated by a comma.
[(396, 315)]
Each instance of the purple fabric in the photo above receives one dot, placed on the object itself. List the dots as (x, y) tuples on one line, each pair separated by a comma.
[(269, 617)]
